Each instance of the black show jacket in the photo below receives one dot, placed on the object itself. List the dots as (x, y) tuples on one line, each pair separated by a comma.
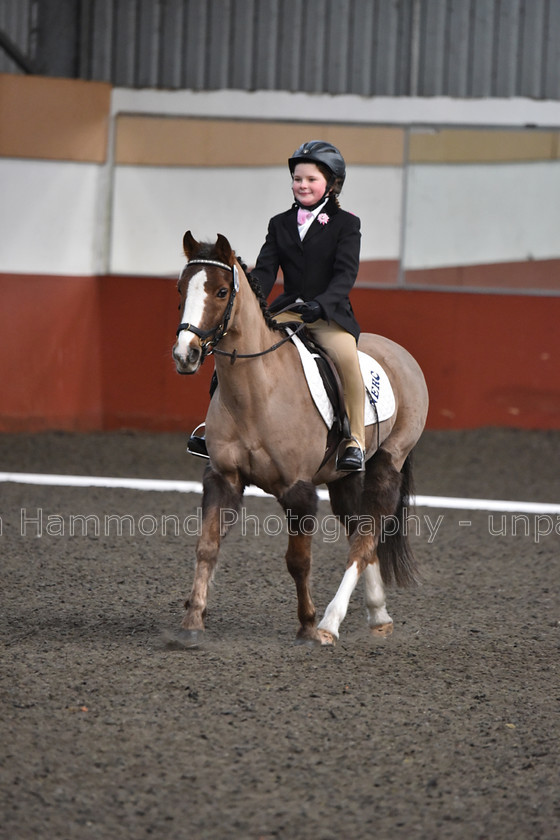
[(322, 267)]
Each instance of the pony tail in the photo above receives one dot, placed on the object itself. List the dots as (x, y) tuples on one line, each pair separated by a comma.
[(396, 559), (386, 495)]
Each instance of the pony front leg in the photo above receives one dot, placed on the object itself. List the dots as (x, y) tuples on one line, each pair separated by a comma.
[(221, 501), (361, 551), (336, 610), (298, 561), (300, 505), (207, 549)]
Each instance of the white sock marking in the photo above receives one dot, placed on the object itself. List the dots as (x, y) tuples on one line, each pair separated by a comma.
[(375, 596), (336, 610)]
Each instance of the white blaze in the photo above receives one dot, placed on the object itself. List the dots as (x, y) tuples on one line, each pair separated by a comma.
[(193, 310)]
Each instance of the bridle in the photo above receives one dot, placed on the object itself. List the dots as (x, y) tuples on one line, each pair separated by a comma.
[(210, 338)]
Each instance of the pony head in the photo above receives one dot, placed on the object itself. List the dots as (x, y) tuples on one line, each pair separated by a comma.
[(208, 285)]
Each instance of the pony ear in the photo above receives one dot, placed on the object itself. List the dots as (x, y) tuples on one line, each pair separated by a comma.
[(223, 250), (190, 245)]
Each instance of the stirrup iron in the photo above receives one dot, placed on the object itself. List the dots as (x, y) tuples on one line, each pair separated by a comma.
[(196, 444)]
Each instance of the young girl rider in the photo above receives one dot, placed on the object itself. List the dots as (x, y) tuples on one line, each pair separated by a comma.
[(317, 246)]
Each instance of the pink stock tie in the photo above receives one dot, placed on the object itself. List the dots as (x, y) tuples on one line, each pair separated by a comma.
[(303, 216)]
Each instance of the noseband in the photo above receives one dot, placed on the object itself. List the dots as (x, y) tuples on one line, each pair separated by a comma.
[(209, 338)]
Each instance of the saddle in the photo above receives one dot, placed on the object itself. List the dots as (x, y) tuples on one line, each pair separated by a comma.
[(326, 390)]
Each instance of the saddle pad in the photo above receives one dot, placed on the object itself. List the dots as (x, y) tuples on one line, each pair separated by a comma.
[(379, 392)]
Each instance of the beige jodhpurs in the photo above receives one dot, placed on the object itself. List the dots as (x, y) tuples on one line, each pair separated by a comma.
[(341, 347)]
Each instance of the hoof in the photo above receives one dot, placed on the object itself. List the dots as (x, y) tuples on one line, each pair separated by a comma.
[(326, 638), (185, 640), (382, 630), (308, 637), (307, 642), (313, 638)]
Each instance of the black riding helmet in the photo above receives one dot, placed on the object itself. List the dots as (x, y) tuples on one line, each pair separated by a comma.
[(319, 151), (325, 154)]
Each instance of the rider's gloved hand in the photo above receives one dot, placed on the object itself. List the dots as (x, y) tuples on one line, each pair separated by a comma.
[(311, 311)]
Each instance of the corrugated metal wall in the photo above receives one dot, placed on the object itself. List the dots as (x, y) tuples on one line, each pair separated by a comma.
[(460, 48), (18, 24)]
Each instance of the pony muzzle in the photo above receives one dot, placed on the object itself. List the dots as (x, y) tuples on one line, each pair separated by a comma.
[(188, 352)]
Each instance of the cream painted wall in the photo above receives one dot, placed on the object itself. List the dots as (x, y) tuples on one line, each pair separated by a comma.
[(59, 217), (153, 206), (52, 213), (472, 214), (50, 217), (455, 214), (374, 110)]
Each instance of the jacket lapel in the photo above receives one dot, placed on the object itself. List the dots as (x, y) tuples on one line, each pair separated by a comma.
[(316, 228), (290, 223)]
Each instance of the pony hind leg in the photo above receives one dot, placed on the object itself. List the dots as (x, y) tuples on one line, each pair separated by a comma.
[(378, 544), (221, 501), (300, 506), (379, 620), (386, 493)]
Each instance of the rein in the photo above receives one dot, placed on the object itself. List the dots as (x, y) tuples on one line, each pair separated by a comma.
[(210, 338), (235, 355)]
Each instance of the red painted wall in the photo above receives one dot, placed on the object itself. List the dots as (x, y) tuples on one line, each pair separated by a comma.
[(95, 353), (50, 358), (489, 360)]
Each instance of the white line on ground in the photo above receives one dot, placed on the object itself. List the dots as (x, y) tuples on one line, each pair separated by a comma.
[(165, 485)]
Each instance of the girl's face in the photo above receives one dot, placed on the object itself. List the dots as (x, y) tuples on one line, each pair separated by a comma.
[(308, 184)]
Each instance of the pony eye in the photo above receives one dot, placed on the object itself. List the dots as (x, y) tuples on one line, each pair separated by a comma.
[(222, 292)]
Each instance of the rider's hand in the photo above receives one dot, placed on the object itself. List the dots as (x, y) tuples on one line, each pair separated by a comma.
[(311, 311)]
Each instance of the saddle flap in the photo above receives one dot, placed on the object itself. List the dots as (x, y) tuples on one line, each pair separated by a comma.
[(328, 395)]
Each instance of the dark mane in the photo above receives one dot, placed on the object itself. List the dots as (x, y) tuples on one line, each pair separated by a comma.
[(256, 287)]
